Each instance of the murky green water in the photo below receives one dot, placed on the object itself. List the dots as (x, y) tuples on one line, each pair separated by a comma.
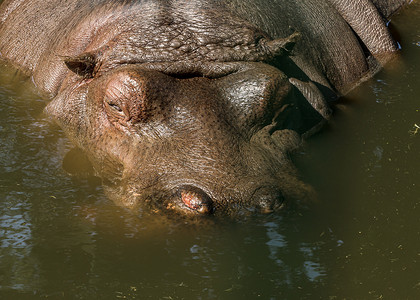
[(61, 238)]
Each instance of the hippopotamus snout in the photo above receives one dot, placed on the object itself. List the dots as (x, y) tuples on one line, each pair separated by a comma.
[(229, 181), (197, 139)]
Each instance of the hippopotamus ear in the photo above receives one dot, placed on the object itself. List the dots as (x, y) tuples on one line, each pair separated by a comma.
[(282, 46), (83, 64)]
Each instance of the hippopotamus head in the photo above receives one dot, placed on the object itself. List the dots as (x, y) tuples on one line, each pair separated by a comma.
[(200, 130), (213, 139)]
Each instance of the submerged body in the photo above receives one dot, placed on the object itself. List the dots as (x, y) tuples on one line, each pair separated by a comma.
[(194, 106)]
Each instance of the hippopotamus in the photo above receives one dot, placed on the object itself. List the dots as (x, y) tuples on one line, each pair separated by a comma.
[(194, 106)]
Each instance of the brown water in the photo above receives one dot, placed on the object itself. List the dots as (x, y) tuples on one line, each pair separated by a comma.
[(61, 238)]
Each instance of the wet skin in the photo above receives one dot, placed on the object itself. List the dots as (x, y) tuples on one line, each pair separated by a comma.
[(194, 106)]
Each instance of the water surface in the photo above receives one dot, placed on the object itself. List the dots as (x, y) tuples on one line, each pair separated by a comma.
[(61, 238)]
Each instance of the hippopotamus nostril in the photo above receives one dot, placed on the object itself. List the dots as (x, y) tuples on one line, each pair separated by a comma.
[(196, 199), (268, 199)]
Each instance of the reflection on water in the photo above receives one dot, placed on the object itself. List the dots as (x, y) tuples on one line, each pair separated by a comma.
[(277, 245), (61, 238), (19, 271)]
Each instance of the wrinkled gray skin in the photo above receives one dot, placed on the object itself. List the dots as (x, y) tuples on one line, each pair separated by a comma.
[(194, 106)]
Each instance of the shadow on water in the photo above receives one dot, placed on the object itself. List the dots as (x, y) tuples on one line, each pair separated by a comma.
[(61, 238)]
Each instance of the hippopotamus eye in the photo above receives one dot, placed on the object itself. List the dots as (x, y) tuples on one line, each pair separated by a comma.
[(114, 109), (125, 98)]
